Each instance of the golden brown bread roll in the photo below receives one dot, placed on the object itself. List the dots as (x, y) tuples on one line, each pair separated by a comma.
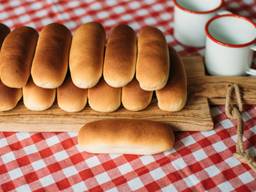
[(120, 56), (173, 96), (9, 97), (152, 68), (36, 98), (126, 136), (87, 54), (50, 62), (134, 98), (71, 98), (16, 56), (104, 98)]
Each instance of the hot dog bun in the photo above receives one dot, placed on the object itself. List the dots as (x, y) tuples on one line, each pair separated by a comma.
[(152, 68), (36, 98), (104, 98), (120, 56), (16, 56), (126, 136), (71, 98), (9, 97), (87, 54), (50, 62), (173, 96), (134, 98)]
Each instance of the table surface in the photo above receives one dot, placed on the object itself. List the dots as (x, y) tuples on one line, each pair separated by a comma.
[(200, 161)]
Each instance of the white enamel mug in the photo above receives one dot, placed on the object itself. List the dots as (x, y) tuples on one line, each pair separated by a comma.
[(230, 44), (190, 18)]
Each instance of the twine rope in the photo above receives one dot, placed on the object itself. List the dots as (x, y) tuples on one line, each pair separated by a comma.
[(234, 112)]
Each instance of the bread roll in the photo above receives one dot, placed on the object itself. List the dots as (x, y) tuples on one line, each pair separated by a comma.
[(126, 136), (152, 69), (36, 98), (9, 97), (120, 56), (173, 96), (16, 56), (104, 98), (134, 98), (87, 54), (50, 62), (71, 98)]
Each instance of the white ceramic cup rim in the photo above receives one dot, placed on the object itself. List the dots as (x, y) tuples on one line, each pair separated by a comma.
[(177, 4), (209, 35)]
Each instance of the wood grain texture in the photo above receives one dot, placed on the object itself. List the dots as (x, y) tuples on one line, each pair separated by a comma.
[(214, 87), (195, 117)]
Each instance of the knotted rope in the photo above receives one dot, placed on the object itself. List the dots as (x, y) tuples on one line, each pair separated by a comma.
[(234, 112)]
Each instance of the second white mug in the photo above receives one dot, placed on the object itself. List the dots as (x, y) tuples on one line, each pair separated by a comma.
[(229, 45), (190, 18)]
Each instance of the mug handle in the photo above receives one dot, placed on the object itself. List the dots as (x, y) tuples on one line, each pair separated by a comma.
[(251, 71)]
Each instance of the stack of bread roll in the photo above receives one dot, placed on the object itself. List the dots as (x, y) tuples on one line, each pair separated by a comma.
[(123, 68)]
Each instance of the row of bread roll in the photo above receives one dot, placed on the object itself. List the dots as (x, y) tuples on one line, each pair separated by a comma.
[(47, 56), (102, 97), (133, 97), (124, 55), (44, 56)]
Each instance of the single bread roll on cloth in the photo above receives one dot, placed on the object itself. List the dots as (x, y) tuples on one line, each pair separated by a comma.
[(87, 55), (71, 98), (152, 68), (16, 56), (127, 136), (173, 96), (120, 56), (134, 98), (36, 98), (50, 62), (104, 98)]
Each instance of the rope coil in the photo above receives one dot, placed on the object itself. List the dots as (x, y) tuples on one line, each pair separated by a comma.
[(234, 112)]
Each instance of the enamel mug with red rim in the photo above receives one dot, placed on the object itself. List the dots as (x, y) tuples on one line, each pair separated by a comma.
[(230, 44), (190, 18)]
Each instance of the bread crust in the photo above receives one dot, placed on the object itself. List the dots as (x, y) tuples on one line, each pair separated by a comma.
[(134, 98), (173, 96), (16, 56), (103, 98), (152, 68), (71, 98), (9, 97), (36, 98), (120, 56), (50, 62), (87, 55), (128, 136)]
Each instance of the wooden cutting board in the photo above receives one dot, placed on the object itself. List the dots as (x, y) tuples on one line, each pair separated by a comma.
[(194, 117)]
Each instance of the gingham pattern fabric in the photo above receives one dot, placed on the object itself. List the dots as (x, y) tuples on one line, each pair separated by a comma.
[(200, 161)]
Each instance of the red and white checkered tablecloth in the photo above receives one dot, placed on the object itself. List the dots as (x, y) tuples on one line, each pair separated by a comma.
[(200, 161)]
